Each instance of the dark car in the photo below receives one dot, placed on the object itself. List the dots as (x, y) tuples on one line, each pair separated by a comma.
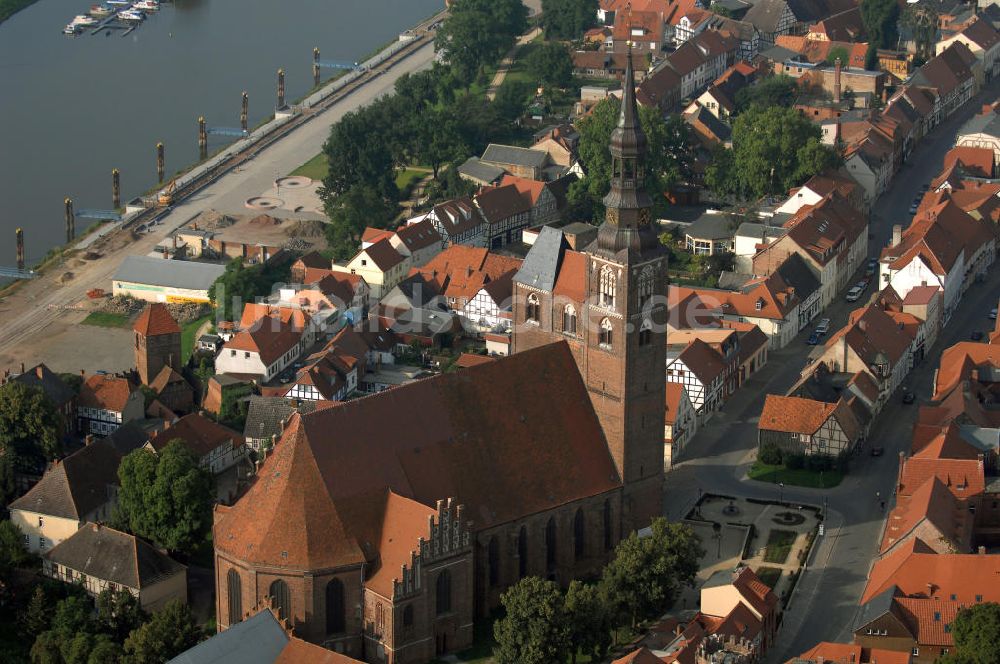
[(877, 451), (976, 335), (909, 397), (813, 339)]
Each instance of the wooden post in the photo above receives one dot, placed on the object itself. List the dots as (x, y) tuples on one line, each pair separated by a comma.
[(116, 191), (159, 161), (244, 112), (316, 67), (281, 88), (19, 234), (70, 220), (202, 138)]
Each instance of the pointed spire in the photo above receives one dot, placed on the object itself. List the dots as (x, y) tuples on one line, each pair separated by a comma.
[(628, 139)]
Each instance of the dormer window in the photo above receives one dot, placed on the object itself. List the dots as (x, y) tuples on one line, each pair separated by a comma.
[(759, 304)]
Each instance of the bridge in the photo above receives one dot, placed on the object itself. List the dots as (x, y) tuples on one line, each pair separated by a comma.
[(235, 132), (337, 64), (103, 215), (14, 273)]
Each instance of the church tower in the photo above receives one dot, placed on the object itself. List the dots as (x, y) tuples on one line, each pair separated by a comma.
[(625, 344), (157, 342)]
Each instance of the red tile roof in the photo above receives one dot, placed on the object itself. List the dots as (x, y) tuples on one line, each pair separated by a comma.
[(675, 392), (155, 320), (913, 567), (105, 392), (933, 503), (979, 161), (384, 255), (826, 652), (373, 235), (270, 340), (794, 414), (199, 434)]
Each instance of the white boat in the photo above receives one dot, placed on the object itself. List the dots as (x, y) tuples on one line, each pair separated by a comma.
[(83, 21), (147, 5), (70, 29), (120, 3), (100, 11), (131, 15)]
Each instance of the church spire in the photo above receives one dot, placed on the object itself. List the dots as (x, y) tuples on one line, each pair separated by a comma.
[(626, 224)]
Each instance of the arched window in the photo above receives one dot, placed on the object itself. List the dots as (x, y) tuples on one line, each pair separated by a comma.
[(645, 288), (408, 615), (443, 604), (645, 333), (522, 552), (533, 309), (605, 335), (282, 598), (607, 287), (379, 618), (607, 525), (234, 588), (493, 560), (335, 622), (550, 544), (569, 319), (579, 535)]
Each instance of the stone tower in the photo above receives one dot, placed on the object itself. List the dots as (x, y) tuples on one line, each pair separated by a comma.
[(608, 303), (157, 342), (625, 338)]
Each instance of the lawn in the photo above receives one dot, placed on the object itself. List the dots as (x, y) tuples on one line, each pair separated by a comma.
[(779, 545), (826, 479), (769, 575), (105, 319), (315, 168), (410, 175), (188, 332)]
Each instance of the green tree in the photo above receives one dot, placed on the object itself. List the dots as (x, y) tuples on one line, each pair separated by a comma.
[(774, 149), (778, 90), (535, 629), (838, 52), (589, 623), (922, 20), (165, 497), (118, 613), (38, 613), (105, 651), (12, 551), (880, 18), (29, 422), (237, 285), (567, 19), (647, 573), (512, 99), (359, 207), (168, 633), (438, 138), (549, 63), (479, 32), (45, 649), (358, 153), (976, 631)]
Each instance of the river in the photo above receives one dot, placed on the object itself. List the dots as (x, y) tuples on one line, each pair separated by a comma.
[(74, 108)]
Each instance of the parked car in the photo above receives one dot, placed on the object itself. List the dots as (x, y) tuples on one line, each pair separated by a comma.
[(976, 335), (993, 313), (813, 339), (924, 188), (823, 326), (877, 451), (909, 397), (854, 293), (913, 207)]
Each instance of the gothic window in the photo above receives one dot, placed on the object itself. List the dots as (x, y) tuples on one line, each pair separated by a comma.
[(235, 591), (607, 287), (282, 599), (569, 319), (443, 603), (522, 553), (646, 280), (604, 337), (645, 333), (408, 615), (335, 622), (493, 560), (379, 618), (579, 528), (533, 309), (550, 544), (607, 525)]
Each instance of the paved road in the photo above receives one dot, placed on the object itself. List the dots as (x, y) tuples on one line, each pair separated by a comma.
[(717, 458), (26, 313)]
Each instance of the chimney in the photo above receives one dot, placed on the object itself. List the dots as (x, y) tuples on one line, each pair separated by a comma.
[(897, 234), (981, 550), (38, 371), (836, 81), (88, 439)]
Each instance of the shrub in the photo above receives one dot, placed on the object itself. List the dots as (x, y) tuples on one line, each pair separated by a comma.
[(770, 454)]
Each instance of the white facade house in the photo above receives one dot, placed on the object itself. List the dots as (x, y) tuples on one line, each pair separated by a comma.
[(680, 425), (699, 369), (262, 352), (106, 402), (490, 308)]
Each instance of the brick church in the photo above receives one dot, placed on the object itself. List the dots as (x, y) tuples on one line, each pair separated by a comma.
[(383, 527)]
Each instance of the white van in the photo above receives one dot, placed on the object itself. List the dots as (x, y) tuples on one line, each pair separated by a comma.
[(854, 293)]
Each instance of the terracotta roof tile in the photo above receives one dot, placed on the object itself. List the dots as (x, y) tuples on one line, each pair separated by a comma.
[(106, 392), (794, 414), (155, 320), (913, 566), (826, 652), (198, 434)]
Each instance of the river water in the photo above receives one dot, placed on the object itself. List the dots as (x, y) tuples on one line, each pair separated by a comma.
[(74, 108)]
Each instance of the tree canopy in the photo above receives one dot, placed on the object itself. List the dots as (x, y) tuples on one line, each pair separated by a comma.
[(778, 90), (535, 629), (550, 64), (976, 631), (567, 19), (165, 497), (29, 422), (361, 206), (880, 18), (240, 284), (168, 633), (12, 551), (589, 623), (477, 33), (774, 149)]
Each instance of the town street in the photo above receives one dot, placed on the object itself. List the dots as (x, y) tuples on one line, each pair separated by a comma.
[(718, 457), (25, 314)]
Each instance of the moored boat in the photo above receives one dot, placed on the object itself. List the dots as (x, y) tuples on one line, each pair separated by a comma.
[(147, 5), (70, 29), (83, 21), (131, 15), (100, 11)]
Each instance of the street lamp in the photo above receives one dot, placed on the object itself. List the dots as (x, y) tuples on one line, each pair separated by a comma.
[(781, 492), (717, 527)]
